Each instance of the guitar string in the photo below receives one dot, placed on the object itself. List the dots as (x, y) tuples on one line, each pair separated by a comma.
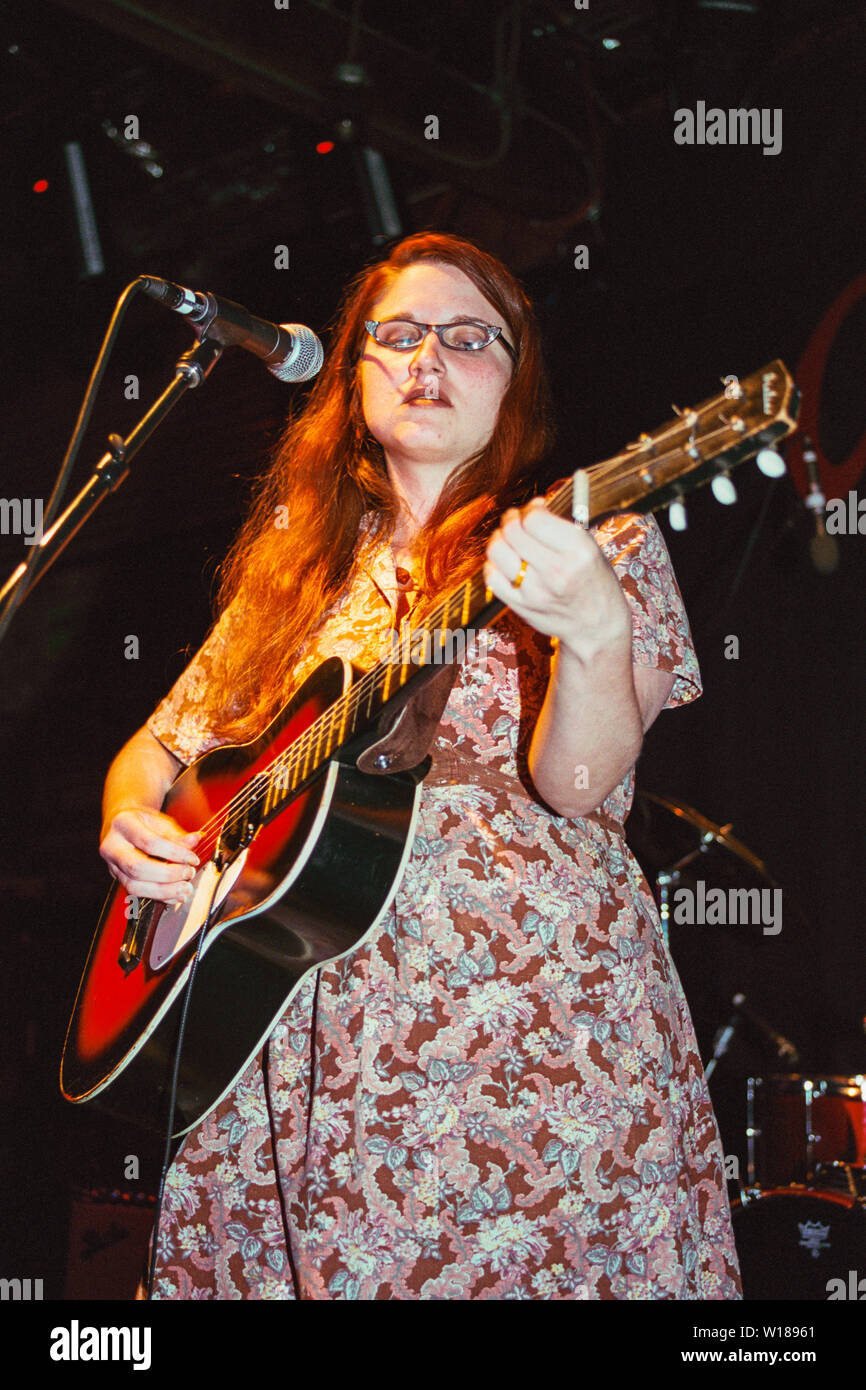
[(313, 737), (639, 458), (310, 741)]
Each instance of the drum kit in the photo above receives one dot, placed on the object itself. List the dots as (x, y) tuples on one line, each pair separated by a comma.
[(800, 1210)]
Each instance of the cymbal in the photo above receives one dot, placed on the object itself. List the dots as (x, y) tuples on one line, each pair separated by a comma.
[(715, 960), (664, 843)]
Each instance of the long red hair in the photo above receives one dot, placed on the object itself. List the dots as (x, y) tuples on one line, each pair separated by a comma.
[(328, 472)]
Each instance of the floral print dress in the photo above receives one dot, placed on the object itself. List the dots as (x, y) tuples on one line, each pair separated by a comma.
[(497, 1094)]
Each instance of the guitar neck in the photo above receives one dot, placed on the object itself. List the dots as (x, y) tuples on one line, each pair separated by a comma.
[(655, 470)]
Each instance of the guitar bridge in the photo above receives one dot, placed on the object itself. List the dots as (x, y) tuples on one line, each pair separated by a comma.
[(236, 834)]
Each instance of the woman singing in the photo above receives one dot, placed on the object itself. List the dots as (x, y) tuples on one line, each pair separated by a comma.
[(497, 1094)]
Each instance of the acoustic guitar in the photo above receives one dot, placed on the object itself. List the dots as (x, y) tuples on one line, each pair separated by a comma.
[(302, 848)]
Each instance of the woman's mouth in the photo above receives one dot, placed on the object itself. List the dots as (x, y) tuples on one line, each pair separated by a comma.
[(426, 396)]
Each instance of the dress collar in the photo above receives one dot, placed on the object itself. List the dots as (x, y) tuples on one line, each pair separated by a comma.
[(377, 562)]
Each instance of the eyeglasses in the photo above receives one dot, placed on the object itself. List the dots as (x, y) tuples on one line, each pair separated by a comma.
[(468, 335)]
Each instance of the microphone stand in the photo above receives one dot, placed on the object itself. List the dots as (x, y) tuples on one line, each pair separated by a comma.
[(190, 371), (721, 1043)]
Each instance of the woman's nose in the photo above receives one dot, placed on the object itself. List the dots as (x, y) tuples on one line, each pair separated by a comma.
[(428, 352)]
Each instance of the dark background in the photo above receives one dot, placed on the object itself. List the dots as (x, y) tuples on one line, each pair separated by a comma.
[(703, 261)]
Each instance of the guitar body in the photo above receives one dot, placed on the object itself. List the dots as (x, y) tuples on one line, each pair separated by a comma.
[(306, 888)]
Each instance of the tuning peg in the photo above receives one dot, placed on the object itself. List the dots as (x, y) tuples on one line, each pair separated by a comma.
[(677, 515), (723, 489), (771, 464)]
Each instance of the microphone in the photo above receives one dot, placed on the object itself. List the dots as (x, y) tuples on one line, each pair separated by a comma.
[(289, 350), (786, 1051), (822, 547)]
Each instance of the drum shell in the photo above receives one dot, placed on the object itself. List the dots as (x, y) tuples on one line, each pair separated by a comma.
[(793, 1137), (792, 1241)]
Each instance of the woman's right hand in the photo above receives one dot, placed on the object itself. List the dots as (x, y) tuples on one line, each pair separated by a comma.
[(150, 854)]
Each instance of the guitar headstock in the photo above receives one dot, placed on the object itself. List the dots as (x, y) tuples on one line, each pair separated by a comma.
[(699, 445)]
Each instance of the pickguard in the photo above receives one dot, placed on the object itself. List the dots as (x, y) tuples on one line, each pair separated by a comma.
[(178, 925)]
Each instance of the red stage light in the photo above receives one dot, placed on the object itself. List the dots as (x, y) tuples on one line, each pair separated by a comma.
[(324, 147), (40, 186)]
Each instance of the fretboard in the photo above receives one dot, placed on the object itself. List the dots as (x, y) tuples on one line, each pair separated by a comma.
[(649, 473)]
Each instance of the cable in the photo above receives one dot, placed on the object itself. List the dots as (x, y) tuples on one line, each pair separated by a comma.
[(750, 544), (167, 1155)]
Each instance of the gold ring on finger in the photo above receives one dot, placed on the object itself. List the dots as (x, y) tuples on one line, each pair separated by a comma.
[(521, 574)]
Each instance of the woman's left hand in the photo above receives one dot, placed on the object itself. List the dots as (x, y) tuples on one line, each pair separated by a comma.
[(568, 590)]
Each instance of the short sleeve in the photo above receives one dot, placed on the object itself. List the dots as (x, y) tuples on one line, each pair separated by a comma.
[(661, 636), (183, 720)]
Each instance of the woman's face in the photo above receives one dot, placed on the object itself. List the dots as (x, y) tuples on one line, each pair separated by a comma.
[(456, 417)]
